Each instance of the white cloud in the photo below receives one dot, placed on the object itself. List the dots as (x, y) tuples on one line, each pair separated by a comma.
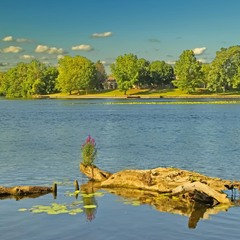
[(41, 49), (60, 56), (102, 35), (11, 39), (3, 64), (12, 49), (49, 50), (199, 51), (23, 40), (8, 39), (171, 62), (27, 57), (82, 47), (202, 60), (106, 63), (54, 50)]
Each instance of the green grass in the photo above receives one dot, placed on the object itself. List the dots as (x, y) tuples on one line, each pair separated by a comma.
[(145, 93), (172, 103)]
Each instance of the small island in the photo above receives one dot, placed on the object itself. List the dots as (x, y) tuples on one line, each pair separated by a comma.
[(170, 190), (186, 185)]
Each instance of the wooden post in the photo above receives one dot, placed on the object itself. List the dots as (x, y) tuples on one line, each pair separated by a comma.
[(54, 190), (76, 185)]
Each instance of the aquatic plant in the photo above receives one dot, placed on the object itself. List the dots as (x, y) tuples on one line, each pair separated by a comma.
[(87, 205), (89, 151)]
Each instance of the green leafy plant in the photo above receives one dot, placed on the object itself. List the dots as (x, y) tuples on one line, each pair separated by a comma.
[(89, 151)]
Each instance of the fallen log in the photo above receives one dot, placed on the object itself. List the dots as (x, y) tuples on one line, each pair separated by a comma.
[(201, 193), (26, 191), (186, 184), (94, 172), (162, 202)]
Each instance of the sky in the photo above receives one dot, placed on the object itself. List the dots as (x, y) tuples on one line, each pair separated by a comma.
[(47, 30)]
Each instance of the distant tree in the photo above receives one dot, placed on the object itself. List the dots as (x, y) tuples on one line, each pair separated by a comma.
[(34, 82), (126, 71), (27, 79), (75, 74), (50, 80), (224, 71), (13, 81), (1, 83), (100, 75), (188, 72), (161, 73), (205, 74), (144, 74), (236, 79)]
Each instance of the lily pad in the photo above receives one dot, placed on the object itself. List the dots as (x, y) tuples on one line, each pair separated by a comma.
[(56, 208), (98, 194), (75, 211), (90, 206), (136, 203), (22, 209), (87, 195)]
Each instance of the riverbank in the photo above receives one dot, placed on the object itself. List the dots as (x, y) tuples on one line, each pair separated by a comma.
[(141, 94)]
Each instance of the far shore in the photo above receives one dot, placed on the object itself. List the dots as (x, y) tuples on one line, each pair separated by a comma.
[(142, 94), (139, 96)]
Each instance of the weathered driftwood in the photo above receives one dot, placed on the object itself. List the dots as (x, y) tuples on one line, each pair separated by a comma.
[(94, 173), (162, 202), (201, 192), (22, 191), (186, 184)]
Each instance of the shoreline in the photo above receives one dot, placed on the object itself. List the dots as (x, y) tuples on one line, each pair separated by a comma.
[(96, 96)]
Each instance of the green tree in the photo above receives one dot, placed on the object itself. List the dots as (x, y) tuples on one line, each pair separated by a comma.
[(126, 71), (12, 85), (34, 81), (2, 83), (144, 75), (188, 72), (50, 80), (236, 79), (161, 73), (27, 79), (224, 71), (205, 74), (75, 74), (100, 75)]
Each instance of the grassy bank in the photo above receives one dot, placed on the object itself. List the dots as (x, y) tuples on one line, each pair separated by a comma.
[(146, 93)]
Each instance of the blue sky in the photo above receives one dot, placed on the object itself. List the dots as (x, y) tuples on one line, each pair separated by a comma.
[(104, 29)]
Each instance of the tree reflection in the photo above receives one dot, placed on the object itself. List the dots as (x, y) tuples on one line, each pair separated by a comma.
[(161, 202), (89, 201)]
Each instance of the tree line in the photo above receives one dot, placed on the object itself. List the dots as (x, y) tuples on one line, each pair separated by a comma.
[(75, 74)]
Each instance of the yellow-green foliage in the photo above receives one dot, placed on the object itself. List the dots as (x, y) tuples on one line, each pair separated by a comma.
[(89, 151)]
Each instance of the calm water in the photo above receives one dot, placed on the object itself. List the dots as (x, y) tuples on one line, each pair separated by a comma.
[(40, 143)]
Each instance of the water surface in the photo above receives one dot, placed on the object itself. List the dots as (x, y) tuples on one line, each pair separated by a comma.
[(40, 143)]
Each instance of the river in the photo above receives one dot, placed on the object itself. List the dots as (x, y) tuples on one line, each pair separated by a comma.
[(40, 144)]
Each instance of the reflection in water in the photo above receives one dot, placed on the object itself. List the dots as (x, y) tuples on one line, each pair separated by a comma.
[(198, 212), (89, 201), (161, 202), (20, 197)]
